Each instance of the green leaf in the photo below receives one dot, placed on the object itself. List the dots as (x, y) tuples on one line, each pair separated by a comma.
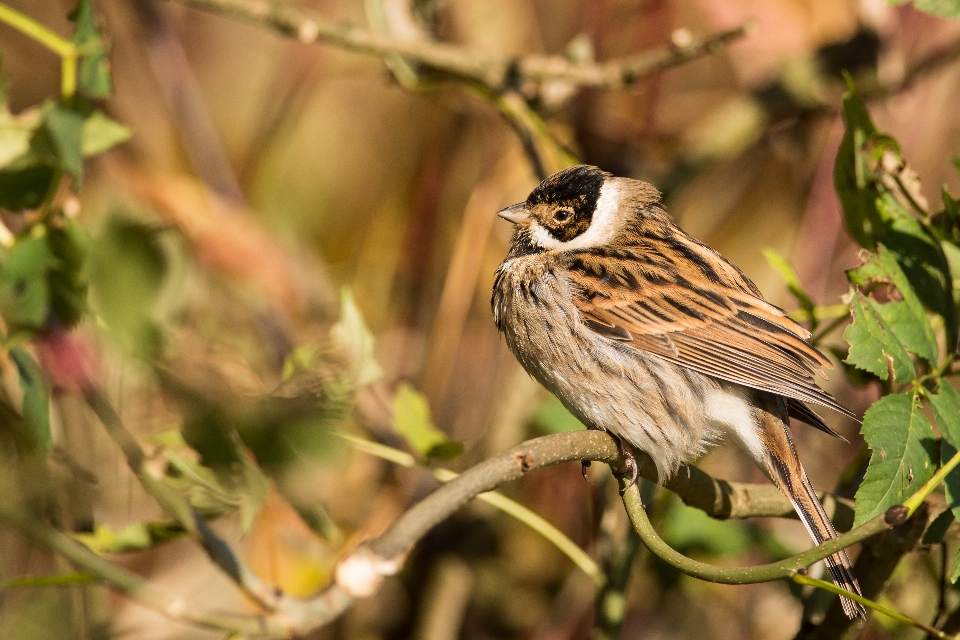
[(955, 570), (25, 182), (690, 530), (792, 280), (94, 73), (923, 261), (101, 133), (874, 347), (68, 276), (946, 411), (938, 528), (24, 290), (35, 406), (354, 341), (411, 419), (15, 134), (939, 8), (852, 178), (128, 269), (553, 417), (907, 319), (64, 123), (903, 454)]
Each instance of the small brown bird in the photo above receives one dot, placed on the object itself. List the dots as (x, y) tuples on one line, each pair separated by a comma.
[(644, 332)]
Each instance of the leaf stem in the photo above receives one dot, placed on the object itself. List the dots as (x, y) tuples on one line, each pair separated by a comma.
[(913, 502), (746, 575), (67, 51), (804, 579)]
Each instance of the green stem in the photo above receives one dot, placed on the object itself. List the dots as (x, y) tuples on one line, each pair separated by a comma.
[(803, 579), (745, 575), (501, 502), (64, 48), (913, 502)]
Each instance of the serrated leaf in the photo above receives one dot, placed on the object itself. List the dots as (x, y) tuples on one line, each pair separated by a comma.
[(35, 407), (923, 261), (946, 411), (908, 320), (411, 419), (355, 341), (903, 454), (873, 345)]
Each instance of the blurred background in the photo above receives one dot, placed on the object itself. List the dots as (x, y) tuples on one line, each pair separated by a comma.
[(276, 173)]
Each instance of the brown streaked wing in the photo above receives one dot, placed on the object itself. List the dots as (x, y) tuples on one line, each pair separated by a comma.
[(714, 325)]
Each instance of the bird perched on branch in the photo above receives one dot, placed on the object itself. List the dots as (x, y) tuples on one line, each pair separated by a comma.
[(642, 331)]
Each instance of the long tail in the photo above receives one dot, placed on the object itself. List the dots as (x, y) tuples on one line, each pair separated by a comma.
[(780, 462)]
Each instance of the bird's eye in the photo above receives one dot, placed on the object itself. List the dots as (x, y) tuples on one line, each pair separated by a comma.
[(562, 215)]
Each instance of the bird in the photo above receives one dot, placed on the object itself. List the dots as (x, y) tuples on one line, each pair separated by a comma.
[(646, 333)]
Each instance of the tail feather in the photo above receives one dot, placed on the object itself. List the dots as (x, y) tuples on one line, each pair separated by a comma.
[(778, 458), (821, 529)]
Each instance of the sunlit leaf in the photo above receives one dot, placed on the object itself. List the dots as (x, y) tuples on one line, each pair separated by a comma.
[(355, 341), (903, 454), (907, 319), (411, 419), (101, 133), (15, 134), (791, 279), (873, 345)]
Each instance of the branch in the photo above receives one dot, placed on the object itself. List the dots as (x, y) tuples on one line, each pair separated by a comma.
[(308, 27), (893, 517), (131, 585)]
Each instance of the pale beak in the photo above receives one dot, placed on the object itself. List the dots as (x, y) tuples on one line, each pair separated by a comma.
[(516, 213)]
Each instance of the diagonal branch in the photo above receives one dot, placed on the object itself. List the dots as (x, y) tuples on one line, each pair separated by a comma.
[(496, 73)]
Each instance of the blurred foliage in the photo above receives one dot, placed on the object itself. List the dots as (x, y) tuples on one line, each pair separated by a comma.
[(233, 336)]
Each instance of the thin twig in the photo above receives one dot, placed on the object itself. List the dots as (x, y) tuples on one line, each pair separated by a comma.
[(761, 573), (133, 586), (308, 27)]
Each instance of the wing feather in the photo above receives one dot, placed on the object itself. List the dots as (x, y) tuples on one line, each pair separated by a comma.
[(711, 318)]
